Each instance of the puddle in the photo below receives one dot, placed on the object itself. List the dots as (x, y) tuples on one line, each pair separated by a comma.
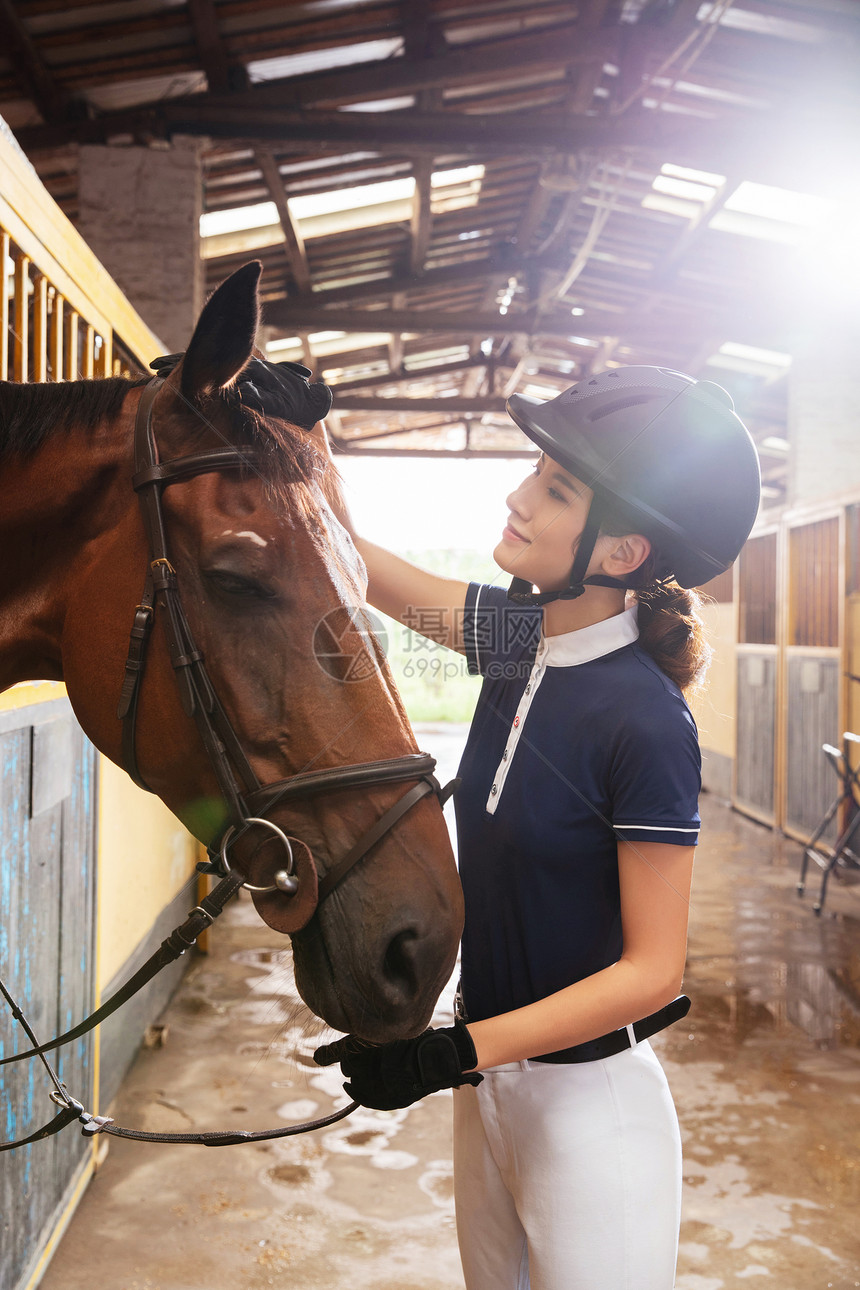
[(437, 1182), (293, 1175), (293, 1112)]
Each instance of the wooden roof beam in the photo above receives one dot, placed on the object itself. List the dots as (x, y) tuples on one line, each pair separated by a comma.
[(417, 34), (29, 68), (395, 342), (221, 76), (708, 144), (560, 45), (747, 323), (469, 273), (451, 403), (294, 243), (295, 317), (585, 79), (420, 223), (407, 374)]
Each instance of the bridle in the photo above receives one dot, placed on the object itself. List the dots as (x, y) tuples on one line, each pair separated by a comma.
[(248, 801)]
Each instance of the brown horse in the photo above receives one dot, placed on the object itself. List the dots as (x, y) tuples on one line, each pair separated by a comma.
[(261, 561)]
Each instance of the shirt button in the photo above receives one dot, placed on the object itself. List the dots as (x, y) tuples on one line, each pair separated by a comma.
[(505, 755), (528, 689), (516, 721), (494, 790)]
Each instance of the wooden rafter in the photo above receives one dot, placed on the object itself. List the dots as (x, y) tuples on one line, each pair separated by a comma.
[(420, 224), (744, 322), (529, 91), (410, 374), (294, 243), (221, 78), (29, 68), (449, 403), (689, 141), (395, 344)]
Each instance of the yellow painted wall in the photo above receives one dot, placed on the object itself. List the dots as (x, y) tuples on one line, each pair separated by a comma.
[(145, 857), (28, 692), (715, 709)]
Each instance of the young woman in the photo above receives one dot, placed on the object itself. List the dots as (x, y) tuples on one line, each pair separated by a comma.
[(577, 821)]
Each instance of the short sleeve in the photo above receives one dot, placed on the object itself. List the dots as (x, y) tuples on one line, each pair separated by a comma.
[(657, 775), (495, 629)]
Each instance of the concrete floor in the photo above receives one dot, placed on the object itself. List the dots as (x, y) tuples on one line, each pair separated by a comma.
[(765, 1072)]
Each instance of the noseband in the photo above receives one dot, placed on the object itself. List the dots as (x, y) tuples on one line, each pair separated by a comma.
[(248, 801)]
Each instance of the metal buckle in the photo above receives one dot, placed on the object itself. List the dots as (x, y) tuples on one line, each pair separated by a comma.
[(285, 879)]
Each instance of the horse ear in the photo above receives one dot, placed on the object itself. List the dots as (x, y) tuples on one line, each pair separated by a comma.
[(223, 339)]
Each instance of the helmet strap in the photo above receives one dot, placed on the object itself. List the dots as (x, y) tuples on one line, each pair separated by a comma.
[(520, 591)]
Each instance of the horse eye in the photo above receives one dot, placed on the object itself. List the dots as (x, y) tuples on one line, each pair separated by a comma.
[(235, 584)]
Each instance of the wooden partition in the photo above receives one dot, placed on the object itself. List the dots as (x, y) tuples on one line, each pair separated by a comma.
[(798, 636), (47, 946), (812, 670), (62, 316), (755, 731)]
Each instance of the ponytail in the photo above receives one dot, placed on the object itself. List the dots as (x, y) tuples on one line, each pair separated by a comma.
[(670, 627), (672, 632)]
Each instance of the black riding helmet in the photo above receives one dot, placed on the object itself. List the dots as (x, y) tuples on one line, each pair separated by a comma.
[(670, 449)]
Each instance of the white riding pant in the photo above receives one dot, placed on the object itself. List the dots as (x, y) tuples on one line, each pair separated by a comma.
[(569, 1177)]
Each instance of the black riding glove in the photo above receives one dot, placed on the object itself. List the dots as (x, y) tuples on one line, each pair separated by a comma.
[(285, 390), (273, 389), (388, 1076)]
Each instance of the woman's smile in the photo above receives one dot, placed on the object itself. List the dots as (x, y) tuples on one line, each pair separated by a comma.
[(510, 534)]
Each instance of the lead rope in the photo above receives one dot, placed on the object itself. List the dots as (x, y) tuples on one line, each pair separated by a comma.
[(71, 1109)]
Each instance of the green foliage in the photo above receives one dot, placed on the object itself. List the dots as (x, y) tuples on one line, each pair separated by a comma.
[(433, 680)]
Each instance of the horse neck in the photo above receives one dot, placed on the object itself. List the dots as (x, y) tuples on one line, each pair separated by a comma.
[(57, 502)]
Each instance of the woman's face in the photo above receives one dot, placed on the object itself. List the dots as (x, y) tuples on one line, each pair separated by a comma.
[(547, 515)]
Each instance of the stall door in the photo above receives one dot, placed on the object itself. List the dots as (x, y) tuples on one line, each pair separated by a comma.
[(46, 958), (757, 662), (813, 668)]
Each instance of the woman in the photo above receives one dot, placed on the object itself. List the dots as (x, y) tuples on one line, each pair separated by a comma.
[(577, 821)]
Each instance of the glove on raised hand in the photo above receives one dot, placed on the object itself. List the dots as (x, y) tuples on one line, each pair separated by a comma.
[(388, 1076)]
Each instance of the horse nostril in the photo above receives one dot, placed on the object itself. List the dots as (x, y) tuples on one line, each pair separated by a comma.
[(399, 965)]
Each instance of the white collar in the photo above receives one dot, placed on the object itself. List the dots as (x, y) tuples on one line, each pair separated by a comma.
[(570, 648)]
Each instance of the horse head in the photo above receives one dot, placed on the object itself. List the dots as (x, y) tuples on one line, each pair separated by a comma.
[(272, 591)]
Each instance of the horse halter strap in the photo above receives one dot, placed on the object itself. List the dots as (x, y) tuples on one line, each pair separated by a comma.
[(247, 799)]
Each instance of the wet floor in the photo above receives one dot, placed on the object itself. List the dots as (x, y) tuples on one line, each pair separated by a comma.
[(765, 1072)]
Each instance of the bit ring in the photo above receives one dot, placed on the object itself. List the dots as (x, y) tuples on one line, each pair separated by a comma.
[(285, 879)]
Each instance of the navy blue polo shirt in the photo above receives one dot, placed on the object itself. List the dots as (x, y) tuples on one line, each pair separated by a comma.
[(577, 740)]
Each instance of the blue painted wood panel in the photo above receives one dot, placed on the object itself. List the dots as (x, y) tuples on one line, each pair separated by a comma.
[(47, 889)]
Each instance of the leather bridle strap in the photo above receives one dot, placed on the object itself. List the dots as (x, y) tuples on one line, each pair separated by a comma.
[(336, 874), (196, 691)]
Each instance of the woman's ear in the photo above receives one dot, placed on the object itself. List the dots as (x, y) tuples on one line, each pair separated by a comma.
[(625, 554)]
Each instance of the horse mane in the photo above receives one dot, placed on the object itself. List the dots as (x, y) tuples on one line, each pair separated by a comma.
[(295, 471), (32, 413)]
